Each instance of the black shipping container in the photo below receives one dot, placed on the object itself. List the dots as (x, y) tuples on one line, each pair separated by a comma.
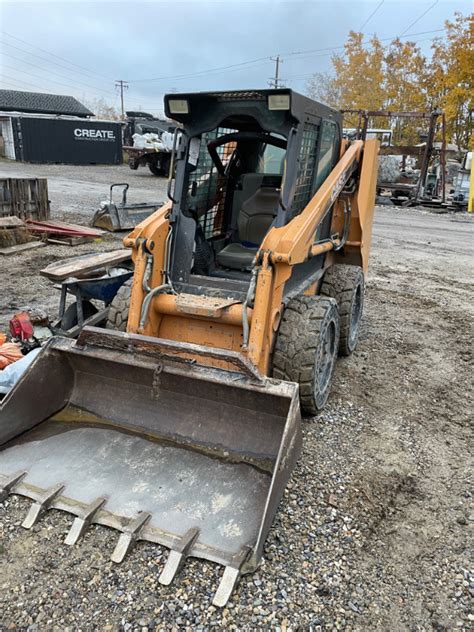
[(70, 141)]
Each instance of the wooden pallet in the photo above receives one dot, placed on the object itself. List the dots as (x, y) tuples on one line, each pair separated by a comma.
[(26, 198)]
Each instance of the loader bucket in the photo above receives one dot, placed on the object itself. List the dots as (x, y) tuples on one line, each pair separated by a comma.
[(155, 439), (123, 217)]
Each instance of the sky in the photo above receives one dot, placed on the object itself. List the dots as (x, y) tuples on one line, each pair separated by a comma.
[(82, 48)]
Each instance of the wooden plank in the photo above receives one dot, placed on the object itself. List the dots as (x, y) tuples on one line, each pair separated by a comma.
[(11, 221), (76, 227), (76, 266), (13, 250), (62, 228), (70, 241)]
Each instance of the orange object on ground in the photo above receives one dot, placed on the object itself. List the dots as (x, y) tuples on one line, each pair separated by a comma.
[(3, 338), (9, 353)]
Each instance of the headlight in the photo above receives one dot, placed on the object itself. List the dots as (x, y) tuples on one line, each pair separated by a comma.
[(278, 101), (178, 106)]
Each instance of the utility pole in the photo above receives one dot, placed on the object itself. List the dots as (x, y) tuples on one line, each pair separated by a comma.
[(275, 82), (123, 85)]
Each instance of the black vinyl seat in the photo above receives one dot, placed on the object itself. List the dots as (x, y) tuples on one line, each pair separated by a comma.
[(254, 220)]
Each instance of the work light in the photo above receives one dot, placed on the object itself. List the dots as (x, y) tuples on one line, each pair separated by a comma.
[(178, 106)]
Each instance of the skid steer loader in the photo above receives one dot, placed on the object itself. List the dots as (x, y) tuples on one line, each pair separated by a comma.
[(180, 424)]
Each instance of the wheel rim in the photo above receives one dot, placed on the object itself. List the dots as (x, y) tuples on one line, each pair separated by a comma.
[(356, 312), (325, 359)]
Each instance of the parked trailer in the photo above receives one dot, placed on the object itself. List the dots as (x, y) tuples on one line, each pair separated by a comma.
[(158, 161)]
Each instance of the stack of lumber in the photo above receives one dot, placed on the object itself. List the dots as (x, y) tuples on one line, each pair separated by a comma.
[(63, 233), (15, 236)]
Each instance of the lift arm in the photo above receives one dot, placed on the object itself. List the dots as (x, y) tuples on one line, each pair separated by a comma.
[(294, 242)]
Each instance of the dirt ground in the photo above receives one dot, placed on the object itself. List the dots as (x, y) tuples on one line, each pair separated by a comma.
[(375, 528)]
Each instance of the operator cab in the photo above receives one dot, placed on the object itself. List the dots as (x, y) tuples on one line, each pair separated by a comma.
[(245, 162)]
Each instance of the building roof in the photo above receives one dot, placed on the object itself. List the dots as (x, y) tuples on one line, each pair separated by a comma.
[(41, 103)]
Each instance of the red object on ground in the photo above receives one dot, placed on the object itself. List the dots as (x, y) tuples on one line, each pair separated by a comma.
[(9, 353), (62, 228), (21, 327)]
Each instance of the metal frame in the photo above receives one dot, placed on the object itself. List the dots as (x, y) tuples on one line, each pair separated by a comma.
[(426, 152)]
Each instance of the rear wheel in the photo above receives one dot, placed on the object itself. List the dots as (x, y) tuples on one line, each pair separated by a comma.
[(119, 308), (345, 284), (306, 348), (155, 169)]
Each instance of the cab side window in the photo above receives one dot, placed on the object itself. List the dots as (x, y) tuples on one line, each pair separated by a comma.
[(329, 141)]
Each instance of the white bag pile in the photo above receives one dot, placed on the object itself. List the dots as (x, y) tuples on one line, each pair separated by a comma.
[(389, 169), (153, 142)]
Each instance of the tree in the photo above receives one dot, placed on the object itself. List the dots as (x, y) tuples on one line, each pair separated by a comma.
[(103, 110), (405, 86), (357, 82), (323, 87), (368, 76), (451, 78)]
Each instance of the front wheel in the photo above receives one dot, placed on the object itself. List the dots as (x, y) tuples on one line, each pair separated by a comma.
[(120, 307), (306, 348)]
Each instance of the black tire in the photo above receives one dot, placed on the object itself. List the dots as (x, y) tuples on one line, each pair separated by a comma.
[(156, 169), (345, 283), (306, 348), (119, 308)]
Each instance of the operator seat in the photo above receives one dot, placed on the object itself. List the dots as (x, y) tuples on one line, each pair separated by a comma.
[(254, 220)]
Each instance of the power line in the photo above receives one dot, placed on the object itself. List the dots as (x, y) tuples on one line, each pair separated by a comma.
[(72, 88), (421, 16), (371, 15), (204, 72), (52, 55), (306, 76), (25, 83), (48, 61), (333, 48), (51, 72), (260, 59)]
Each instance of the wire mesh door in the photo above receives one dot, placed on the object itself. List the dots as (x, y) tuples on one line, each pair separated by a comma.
[(207, 188)]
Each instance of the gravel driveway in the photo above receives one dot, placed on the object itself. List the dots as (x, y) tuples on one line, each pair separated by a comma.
[(375, 527)]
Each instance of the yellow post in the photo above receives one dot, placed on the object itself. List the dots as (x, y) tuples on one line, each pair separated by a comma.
[(470, 204)]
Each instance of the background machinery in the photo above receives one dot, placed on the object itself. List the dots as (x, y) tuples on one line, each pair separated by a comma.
[(145, 142), (180, 425)]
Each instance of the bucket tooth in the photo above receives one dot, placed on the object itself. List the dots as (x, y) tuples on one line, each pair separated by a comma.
[(41, 504), (177, 556), (128, 538), (83, 521), (10, 482), (230, 577)]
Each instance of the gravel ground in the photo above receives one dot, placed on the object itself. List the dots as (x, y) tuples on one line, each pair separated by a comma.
[(375, 527), (76, 191)]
